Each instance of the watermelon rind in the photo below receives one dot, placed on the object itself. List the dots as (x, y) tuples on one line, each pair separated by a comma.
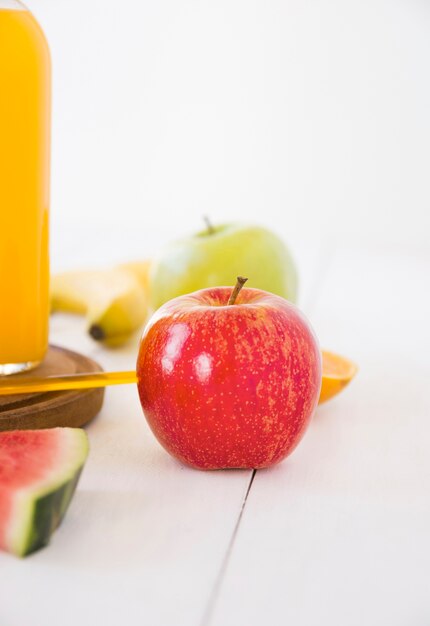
[(39, 509)]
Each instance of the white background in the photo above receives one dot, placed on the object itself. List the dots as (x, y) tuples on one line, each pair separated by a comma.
[(312, 118), (309, 116)]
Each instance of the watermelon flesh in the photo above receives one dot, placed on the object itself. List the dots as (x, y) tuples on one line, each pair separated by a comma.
[(39, 471)]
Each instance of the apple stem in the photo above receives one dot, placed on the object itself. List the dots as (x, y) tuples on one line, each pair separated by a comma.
[(240, 283), (211, 229)]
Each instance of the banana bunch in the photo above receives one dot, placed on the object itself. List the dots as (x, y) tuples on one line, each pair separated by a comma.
[(114, 301)]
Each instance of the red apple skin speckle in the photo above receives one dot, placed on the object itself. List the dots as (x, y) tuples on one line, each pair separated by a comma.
[(229, 386)]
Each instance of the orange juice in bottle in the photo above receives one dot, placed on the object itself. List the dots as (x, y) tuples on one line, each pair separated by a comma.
[(25, 94)]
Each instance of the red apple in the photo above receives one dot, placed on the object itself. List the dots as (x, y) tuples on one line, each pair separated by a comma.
[(229, 385)]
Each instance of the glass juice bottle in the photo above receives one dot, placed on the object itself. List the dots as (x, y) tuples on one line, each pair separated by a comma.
[(25, 110)]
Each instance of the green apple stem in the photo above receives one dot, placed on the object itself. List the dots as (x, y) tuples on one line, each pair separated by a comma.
[(211, 229), (240, 283)]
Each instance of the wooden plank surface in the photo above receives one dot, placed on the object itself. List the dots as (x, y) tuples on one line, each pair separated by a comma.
[(336, 534), (145, 538), (142, 540), (339, 533)]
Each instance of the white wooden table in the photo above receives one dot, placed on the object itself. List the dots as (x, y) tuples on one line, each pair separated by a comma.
[(336, 534)]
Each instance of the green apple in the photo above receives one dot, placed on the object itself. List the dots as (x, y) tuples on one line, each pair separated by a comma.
[(215, 256)]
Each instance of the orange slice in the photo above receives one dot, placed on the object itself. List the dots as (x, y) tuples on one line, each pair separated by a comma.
[(337, 372)]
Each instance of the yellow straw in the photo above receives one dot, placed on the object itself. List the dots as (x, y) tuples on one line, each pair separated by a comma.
[(10, 386)]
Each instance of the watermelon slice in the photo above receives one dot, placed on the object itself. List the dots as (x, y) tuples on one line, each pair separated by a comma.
[(39, 470)]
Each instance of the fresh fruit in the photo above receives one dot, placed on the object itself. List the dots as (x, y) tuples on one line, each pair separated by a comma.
[(39, 471), (337, 372), (140, 269), (229, 385), (71, 292), (210, 257), (114, 301)]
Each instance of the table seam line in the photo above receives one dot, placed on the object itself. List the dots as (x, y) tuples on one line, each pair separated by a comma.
[(208, 612)]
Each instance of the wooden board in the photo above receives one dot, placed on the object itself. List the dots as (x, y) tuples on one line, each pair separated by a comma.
[(339, 532), (336, 534), (55, 408)]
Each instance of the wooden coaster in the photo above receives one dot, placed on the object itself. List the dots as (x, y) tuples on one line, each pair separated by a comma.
[(55, 408)]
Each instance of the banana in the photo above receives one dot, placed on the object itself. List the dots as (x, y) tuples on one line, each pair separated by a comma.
[(113, 300), (72, 291), (140, 269)]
